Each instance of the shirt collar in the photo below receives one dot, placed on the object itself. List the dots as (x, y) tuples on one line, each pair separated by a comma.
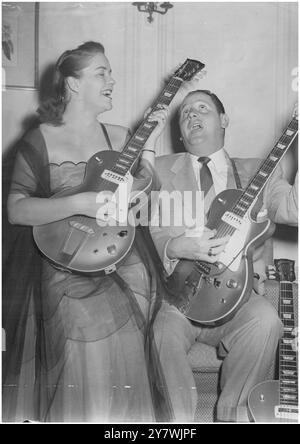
[(218, 158)]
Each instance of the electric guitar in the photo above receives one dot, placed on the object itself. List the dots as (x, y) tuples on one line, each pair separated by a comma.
[(277, 401), (211, 294), (79, 243)]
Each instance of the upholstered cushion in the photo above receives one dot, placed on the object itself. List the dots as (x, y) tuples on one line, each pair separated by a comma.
[(203, 357)]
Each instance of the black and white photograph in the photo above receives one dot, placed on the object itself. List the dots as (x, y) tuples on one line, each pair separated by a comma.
[(149, 215)]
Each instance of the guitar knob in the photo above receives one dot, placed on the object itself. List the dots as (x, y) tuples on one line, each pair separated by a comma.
[(217, 283), (123, 233), (112, 250), (231, 283)]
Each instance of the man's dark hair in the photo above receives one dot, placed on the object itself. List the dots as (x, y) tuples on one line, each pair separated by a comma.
[(217, 102)]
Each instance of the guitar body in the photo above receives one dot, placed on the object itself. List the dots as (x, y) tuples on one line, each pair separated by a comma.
[(211, 293), (78, 243), (263, 403)]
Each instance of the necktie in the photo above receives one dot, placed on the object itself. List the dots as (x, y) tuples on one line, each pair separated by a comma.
[(206, 180)]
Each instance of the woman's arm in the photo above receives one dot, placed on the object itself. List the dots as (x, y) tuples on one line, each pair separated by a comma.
[(149, 149), (33, 211)]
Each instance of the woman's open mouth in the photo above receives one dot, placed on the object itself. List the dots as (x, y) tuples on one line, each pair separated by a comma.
[(107, 93)]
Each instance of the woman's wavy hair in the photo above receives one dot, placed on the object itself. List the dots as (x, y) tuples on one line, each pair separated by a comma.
[(69, 64)]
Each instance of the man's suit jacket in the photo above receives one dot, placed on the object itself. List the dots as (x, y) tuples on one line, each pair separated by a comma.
[(175, 172)]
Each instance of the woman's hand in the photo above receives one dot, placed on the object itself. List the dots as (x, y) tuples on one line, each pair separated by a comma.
[(98, 205), (205, 248), (160, 116), (194, 83)]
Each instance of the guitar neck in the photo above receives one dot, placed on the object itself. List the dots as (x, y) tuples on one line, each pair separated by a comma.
[(258, 182), (134, 146), (288, 377)]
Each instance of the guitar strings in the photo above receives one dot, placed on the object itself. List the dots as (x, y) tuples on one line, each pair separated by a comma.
[(286, 312), (172, 86), (267, 166)]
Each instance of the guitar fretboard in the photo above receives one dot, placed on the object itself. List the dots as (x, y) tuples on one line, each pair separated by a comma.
[(258, 182), (134, 146), (256, 185), (288, 378)]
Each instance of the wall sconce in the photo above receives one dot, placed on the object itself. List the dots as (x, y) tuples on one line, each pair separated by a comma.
[(151, 7)]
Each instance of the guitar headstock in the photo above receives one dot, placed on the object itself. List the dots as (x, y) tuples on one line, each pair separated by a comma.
[(189, 69), (285, 269), (295, 112)]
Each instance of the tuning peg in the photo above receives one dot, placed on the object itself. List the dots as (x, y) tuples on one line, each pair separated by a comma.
[(200, 75), (295, 112), (271, 272)]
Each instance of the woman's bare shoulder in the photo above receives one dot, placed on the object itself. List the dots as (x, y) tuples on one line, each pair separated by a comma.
[(47, 128)]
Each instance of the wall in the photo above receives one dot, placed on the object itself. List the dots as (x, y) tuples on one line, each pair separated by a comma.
[(250, 51)]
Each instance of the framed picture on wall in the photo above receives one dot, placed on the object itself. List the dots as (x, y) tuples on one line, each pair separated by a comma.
[(20, 23)]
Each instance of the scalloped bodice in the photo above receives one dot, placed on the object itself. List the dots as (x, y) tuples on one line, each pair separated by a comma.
[(65, 175)]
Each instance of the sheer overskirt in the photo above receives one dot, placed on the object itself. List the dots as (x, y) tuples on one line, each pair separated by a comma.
[(78, 348)]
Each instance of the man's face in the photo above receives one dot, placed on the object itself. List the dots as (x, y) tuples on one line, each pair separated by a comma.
[(202, 127)]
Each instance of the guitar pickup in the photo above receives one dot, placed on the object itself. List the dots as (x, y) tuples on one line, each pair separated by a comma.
[(112, 176), (203, 267), (286, 412), (232, 219)]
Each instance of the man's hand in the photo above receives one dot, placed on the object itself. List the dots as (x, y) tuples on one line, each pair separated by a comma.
[(205, 248)]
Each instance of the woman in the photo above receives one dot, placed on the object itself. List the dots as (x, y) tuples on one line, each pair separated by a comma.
[(82, 348)]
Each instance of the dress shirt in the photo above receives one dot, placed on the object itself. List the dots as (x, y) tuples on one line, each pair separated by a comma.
[(219, 170)]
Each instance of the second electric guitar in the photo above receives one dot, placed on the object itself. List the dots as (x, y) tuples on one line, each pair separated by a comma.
[(277, 400), (211, 293)]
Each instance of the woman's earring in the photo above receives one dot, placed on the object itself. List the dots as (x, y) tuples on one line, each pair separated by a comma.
[(181, 139)]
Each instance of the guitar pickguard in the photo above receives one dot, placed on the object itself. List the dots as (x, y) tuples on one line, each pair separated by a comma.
[(115, 211), (232, 255)]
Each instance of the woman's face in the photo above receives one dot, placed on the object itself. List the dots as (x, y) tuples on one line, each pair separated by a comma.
[(96, 84)]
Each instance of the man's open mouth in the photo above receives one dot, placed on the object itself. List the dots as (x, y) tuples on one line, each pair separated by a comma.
[(197, 126)]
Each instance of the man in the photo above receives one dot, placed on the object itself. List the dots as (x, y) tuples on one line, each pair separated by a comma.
[(247, 343)]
